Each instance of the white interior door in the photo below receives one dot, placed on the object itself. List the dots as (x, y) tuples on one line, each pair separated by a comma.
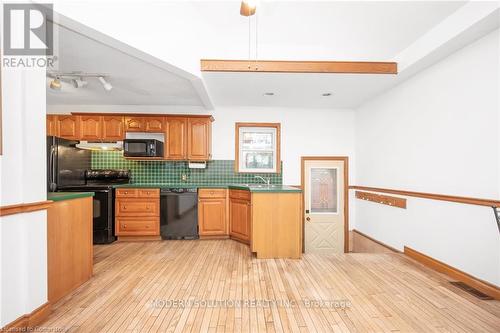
[(324, 206)]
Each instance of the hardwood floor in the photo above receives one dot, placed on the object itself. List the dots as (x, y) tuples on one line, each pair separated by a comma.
[(133, 282)]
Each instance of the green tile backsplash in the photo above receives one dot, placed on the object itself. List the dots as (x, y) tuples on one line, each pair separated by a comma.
[(168, 172)]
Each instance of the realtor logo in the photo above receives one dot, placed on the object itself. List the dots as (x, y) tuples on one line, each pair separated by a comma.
[(28, 29)]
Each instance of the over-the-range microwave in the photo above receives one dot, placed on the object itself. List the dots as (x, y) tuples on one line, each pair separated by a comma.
[(142, 148)]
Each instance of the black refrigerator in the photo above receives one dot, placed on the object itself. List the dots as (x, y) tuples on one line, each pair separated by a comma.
[(66, 164)]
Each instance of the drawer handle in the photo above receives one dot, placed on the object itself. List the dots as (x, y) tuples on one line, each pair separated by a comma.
[(125, 192), (124, 226), (147, 192), (212, 192)]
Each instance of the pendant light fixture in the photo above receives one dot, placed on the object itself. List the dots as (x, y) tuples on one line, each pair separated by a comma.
[(249, 9)]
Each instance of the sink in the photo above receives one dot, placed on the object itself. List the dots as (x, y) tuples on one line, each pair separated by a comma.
[(261, 185), (265, 186)]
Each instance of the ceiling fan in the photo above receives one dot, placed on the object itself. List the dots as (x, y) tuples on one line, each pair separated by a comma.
[(248, 7)]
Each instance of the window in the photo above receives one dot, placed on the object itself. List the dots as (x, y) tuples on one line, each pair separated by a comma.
[(258, 147)]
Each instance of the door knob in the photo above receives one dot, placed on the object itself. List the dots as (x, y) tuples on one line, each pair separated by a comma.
[(308, 218)]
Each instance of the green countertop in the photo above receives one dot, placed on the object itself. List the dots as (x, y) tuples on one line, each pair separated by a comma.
[(248, 187), (60, 196)]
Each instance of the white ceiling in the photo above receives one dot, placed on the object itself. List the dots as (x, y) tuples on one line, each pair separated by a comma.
[(183, 32), (134, 80), (294, 89)]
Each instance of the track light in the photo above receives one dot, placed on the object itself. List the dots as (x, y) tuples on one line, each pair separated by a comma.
[(56, 84), (107, 86), (79, 83)]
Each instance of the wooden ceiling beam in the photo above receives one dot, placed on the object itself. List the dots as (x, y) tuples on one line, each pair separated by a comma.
[(278, 66)]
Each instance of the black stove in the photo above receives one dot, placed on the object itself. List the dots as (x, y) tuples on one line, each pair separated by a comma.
[(102, 182)]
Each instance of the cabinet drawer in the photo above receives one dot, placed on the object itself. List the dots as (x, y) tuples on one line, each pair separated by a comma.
[(137, 226), (137, 207), (149, 192), (126, 193), (240, 194), (212, 193)]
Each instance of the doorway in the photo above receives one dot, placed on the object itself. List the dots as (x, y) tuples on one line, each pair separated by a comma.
[(325, 186)]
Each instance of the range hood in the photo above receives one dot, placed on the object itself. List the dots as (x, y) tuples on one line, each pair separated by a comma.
[(100, 145)]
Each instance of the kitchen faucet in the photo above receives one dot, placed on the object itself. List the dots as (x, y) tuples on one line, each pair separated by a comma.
[(265, 180)]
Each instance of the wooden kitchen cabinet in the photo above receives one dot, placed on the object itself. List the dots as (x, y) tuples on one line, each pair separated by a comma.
[(68, 127), (240, 215), (144, 124), (112, 128), (51, 125), (90, 128), (199, 139), (69, 246), (186, 137), (134, 124), (212, 206), (137, 213), (154, 124), (176, 148)]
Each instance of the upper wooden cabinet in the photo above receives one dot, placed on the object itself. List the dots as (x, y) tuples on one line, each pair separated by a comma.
[(199, 139), (154, 124), (144, 124), (176, 148), (112, 128), (90, 128), (134, 124), (51, 125), (186, 137), (101, 128), (68, 127)]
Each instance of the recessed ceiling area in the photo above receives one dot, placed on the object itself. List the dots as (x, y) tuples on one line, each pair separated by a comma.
[(135, 81), (304, 90)]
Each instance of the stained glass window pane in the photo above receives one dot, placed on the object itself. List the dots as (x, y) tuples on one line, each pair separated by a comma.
[(324, 190)]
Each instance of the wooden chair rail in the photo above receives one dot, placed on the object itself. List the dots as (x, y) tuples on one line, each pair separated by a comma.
[(432, 196), (382, 199), (24, 207)]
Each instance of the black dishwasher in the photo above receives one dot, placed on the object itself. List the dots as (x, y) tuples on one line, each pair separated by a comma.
[(179, 213)]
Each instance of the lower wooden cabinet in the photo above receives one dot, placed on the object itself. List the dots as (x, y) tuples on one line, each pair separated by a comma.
[(212, 217), (69, 246), (137, 212), (240, 215), (137, 226)]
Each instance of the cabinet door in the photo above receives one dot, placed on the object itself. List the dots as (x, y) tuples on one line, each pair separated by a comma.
[(112, 128), (154, 124), (90, 128), (239, 224), (199, 138), (212, 217), (68, 127), (51, 125), (134, 124), (176, 138)]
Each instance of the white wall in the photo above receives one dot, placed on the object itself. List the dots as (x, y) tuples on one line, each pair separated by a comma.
[(304, 132), (23, 237), (437, 132)]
